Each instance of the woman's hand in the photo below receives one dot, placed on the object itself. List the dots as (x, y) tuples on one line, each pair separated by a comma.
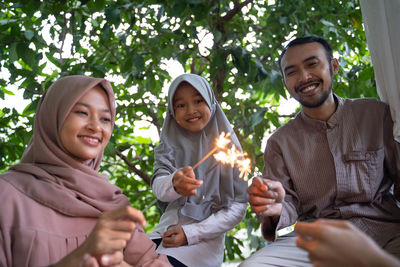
[(174, 238), (265, 197), (89, 261), (185, 183), (339, 243), (108, 238)]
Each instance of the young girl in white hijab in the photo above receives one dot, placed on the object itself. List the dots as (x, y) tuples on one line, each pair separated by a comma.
[(199, 205)]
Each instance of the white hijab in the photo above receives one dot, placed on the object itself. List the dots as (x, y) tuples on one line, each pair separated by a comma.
[(179, 148)]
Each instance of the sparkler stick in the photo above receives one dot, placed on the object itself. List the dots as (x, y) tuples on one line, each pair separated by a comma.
[(205, 157)]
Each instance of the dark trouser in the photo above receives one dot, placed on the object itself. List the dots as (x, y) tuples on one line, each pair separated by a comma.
[(171, 260)]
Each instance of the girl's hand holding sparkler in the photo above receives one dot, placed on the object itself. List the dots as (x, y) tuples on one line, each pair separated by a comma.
[(265, 197), (185, 183)]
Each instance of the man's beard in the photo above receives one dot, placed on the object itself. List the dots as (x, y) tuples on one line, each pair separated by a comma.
[(320, 101), (323, 97)]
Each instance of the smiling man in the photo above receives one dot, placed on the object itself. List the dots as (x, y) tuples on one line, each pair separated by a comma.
[(337, 159)]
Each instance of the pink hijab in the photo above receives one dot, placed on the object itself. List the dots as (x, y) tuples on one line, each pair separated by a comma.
[(48, 174)]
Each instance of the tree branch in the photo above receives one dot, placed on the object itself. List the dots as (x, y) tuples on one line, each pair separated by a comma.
[(62, 38), (144, 176), (236, 9), (153, 116)]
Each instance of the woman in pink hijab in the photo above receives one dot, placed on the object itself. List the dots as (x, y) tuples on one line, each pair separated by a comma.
[(55, 208)]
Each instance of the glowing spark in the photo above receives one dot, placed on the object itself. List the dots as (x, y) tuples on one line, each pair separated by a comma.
[(234, 157), (221, 143), (231, 156)]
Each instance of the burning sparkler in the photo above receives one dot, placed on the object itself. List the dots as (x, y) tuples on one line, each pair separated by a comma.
[(231, 156), (222, 142)]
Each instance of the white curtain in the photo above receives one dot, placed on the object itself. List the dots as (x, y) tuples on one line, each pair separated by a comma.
[(382, 28)]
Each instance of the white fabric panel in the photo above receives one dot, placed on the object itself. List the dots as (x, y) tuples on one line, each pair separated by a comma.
[(382, 28)]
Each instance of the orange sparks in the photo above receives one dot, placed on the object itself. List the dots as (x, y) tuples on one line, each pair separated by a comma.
[(234, 157), (231, 156), (223, 140), (221, 143)]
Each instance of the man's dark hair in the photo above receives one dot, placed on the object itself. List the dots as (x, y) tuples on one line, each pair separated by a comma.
[(306, 40)]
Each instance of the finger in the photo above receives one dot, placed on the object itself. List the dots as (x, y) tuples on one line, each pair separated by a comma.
[(120, 226), (170, 232), (336, 223), (170, 244), (89, 261), (193, 182), (303, 243), (170, 241), (135, 215), (259, 209), (321, 229), (271, 184), (125, 213), (111, 245), (115, 235), (112, 259), (188, 171), (257, 187), (311, 230), (257, 182), (275, 186), (257, 191), (255, 200)]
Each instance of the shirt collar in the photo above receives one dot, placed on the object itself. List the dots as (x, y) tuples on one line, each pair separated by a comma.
[(332, 122)]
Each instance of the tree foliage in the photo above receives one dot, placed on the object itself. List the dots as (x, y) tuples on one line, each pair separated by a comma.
[(233, 44)]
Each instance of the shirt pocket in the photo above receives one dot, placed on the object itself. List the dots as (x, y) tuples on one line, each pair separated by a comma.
[(364, 170)]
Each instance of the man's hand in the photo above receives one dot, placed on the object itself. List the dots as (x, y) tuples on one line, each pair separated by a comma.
[(265, 197), (185, 183), (174, 238)]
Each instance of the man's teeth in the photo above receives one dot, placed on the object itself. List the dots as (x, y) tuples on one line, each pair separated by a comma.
[(309, 88)]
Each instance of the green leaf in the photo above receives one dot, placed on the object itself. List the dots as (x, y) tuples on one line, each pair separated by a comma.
[(96, 5), (257, 117), (26, 54), (31, 107), (217, 36), (327, 23), (7, 21), (13, 56), (194, 2), (272, 117), (138, 61), (7, 92)]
